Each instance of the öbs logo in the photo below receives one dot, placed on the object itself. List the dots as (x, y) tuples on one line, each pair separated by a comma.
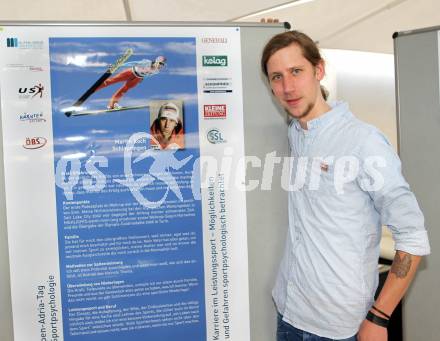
[(34, 142)]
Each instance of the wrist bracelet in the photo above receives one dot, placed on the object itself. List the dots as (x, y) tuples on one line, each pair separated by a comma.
[(377, 319), (380, 311)]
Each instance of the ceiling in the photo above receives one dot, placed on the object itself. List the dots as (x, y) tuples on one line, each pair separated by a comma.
[(341, 24)]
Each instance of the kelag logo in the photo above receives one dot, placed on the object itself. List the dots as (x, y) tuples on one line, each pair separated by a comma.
[(215, 136), (215, 60), (34, 142), (12, 42)]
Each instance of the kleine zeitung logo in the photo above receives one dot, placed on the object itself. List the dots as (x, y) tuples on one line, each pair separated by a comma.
[(214, 111), (215, 60), (34, 142)]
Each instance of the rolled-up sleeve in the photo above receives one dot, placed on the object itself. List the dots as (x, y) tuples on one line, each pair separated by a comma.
[(381, 176)]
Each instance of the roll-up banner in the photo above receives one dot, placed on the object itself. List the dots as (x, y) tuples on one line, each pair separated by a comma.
[(122, 149)]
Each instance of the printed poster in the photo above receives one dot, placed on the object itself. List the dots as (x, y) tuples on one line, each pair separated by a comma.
[(121, 150)]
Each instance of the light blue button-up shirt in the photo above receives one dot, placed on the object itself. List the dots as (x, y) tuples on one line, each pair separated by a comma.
[(346, 183)]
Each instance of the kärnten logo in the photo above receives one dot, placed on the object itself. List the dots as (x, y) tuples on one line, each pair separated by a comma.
[(215, 60), (32, 117)]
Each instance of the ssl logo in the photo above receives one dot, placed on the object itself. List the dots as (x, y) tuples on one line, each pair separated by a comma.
[(215, 136)]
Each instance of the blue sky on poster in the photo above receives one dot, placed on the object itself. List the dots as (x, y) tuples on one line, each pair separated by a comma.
[(83, 60)]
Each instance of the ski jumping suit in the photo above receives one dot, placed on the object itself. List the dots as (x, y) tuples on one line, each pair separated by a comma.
[(131, 76)]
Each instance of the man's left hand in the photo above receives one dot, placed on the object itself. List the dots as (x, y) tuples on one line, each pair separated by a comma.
[(372, 332)]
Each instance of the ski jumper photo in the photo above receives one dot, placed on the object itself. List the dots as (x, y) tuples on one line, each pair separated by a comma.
[(132, 75)]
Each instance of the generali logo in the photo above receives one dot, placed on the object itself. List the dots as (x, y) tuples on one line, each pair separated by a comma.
[(214, 111), (34, 142), (215, 60), (214, 40)]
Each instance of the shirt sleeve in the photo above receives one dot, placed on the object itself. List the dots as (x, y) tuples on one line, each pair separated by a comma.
[(381, 176)]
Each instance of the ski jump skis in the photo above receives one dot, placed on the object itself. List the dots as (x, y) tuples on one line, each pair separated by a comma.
[(112, 68), (103, 111)]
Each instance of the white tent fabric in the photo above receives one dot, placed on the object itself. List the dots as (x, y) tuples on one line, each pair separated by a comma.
[(341, 24)]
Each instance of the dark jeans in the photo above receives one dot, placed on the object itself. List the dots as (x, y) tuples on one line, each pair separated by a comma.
[(286, 332)]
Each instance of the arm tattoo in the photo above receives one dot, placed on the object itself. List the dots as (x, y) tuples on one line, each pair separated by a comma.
[(401, 265)]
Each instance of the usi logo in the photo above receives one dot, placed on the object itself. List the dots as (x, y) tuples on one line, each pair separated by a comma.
[(36, 90)]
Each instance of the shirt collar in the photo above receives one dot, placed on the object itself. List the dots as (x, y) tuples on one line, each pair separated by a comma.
[(338, 109)]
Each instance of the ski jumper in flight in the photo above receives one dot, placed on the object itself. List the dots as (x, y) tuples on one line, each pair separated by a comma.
[(132, 75)]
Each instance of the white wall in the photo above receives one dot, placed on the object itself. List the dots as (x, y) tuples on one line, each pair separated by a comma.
[(366, 81)]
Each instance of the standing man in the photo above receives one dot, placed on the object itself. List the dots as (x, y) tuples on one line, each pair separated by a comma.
[(353, 185), (133, 74)]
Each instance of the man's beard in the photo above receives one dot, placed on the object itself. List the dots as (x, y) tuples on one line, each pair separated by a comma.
[(304, 113)]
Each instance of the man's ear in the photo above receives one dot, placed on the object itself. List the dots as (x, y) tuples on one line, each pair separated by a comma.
[(320, 70)]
